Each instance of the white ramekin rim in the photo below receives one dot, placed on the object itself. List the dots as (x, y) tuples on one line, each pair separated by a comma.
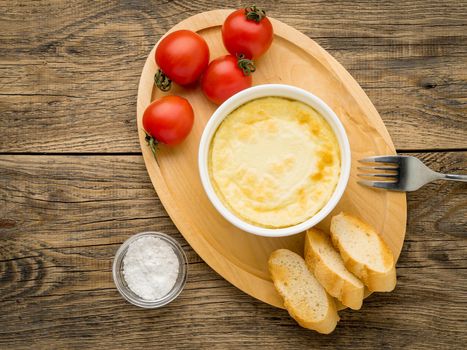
[(280, 90)]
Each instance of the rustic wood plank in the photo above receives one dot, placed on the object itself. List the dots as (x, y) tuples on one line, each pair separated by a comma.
[(72, 69), (63, 217)]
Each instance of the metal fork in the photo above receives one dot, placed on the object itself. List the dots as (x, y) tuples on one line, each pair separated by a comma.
[(400, 173)]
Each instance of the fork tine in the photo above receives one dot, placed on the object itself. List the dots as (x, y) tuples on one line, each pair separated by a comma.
[(371, 168), (380, 159), (392, 176), (380, 184)]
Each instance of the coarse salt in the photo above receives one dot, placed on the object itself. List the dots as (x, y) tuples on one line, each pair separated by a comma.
[(150, 267)]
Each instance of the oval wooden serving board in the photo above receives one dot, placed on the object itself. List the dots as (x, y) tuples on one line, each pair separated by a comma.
[(294, 59)]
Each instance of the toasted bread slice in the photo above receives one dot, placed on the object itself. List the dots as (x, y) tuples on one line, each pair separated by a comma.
[(326, 264), (364, 253), (304, 298)]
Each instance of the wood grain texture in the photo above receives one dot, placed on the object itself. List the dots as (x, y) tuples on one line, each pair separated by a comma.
[(63, 217), (69, 73), (241, 258), (72, 69)]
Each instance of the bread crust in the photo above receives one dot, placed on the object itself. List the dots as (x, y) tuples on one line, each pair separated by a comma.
[(376, 281), (344, 290), (281, 274)]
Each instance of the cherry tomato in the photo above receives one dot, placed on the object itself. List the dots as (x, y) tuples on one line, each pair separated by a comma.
[(226, 76), (168, 120), (247, 31), (182, 57)]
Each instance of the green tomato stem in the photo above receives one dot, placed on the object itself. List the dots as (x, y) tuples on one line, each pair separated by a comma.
[(246, 65), (152, 143), (253, 13), (162, 81)]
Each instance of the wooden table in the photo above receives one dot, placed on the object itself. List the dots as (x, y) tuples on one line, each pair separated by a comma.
[(73, 185)]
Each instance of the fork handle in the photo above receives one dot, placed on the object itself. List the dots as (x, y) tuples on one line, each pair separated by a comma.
[(454, 177)]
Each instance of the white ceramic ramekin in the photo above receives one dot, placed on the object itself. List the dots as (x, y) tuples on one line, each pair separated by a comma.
[(290, 92)]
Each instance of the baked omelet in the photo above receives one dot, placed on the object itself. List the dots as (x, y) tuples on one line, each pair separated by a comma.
[(274, 162)]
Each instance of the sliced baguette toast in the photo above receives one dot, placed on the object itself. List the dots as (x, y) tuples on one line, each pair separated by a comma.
[(364, 253), (326, 264), (304, 298)]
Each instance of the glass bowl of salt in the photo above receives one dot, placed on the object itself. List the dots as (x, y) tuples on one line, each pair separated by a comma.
[(150, 269)]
